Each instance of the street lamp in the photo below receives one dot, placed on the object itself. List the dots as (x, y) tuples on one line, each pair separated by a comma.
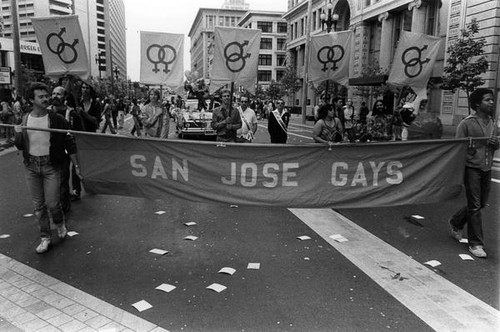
[(116, 71), (98, 61), (329, 18)]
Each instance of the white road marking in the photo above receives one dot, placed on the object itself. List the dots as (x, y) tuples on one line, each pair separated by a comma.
[(495, 180), (438, 302)]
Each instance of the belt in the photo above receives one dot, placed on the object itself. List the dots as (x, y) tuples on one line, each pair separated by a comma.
[(39, 159)]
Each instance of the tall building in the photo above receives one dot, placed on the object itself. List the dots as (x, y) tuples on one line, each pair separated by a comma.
[(377, 25)]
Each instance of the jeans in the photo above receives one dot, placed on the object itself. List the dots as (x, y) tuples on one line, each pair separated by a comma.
[(44, 182), (477, 189)]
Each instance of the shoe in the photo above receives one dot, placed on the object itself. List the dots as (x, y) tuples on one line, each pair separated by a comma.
[(74, 196), (43, 246), (455, 232), (62, 231), (478, 251)]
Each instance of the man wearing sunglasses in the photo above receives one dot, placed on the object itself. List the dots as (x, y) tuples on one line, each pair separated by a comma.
[(277, 124)]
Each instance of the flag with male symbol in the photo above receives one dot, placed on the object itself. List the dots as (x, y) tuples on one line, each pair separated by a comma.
[(330, 57), (62, 46), (414, 60), (235, 58), (162, 59)]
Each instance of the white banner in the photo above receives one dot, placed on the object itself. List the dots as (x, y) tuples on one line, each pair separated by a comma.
[(330, 57), (236, 57), (162, 59), (414, 59), (62, 45)]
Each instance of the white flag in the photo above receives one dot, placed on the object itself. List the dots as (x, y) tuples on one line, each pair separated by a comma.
[(62, 46), (236, 57), (162, 59), (414, 59), (330, 57)]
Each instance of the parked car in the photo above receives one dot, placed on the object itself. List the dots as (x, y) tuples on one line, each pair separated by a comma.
[(195, 124)]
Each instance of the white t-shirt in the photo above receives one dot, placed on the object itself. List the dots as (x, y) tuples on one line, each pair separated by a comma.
[(251, 118), (39, 140)]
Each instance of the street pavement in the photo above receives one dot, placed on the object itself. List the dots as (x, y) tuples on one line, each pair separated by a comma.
[(377, 280)]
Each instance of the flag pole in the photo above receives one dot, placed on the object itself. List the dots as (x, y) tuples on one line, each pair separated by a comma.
[(306, 62), (231, 99)]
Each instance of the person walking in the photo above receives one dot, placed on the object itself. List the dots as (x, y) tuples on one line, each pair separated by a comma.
[(249, 122), (107, 112), (135, 110), (277, 123), (157, 120), (225, 119), (44, 154), (478, 162)]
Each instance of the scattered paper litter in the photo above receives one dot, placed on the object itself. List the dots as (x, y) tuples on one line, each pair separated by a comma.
[(4, 236), (306, 258), (190, 237), (253, 266), (233, 206), (158, 251), (142, 305), (217, 287), (416, 216), (28, 215), (466, 257), (303, 237), (227, 270), (338, 238), (72, 233), (464, 240), (160, 212), (433, 263), (166, 288), (191, 223)]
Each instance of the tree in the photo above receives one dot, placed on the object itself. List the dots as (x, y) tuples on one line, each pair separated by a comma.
[(466, 62), (275, 90), (373, 91), (289, 81)]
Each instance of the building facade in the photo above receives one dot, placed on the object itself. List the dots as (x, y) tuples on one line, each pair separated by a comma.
[(377, 25)]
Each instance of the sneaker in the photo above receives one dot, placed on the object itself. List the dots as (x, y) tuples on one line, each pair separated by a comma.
[(455, 232), (478, 251), (44, 245), (74, 196), (62, 231)]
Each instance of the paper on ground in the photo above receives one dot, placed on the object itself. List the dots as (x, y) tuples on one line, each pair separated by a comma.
[(160, 212), (338, 238), (233, 206), (4, 236), (433, 263), (253, 266), (217, 287), (466, 257), (142, 305), (464, 240), (227, 270), (72, 233), (303, 237), (158, 251), (190, 237), (28, 215), (191, 223), (166, 288), (416, 216)]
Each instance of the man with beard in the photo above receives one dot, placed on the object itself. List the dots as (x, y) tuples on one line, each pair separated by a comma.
[(72, 116), (478, 162), (225, 119)]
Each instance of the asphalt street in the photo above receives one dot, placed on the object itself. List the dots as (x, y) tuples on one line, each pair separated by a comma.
[(300, 285)]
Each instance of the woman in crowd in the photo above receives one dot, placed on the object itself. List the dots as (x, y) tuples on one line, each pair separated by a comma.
[(380, 123), (328, 129), (351, 118), (157, 119), (107, 111)]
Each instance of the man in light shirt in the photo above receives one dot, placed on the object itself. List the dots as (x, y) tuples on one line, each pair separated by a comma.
[(248, 122)]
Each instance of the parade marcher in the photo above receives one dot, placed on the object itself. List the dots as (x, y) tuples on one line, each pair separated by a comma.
[(226, 119), (350, 120), (277, 123), (44, 154), (157, 119), (478, 162), (328, 128), (135, 110), (363, 112), (107, 112), (7, 116), (338, 106), (380, 123), (90, 108), (120, 108), (248, 122)]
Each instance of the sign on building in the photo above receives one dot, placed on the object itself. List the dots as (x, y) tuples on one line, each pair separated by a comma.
[(5, 75)]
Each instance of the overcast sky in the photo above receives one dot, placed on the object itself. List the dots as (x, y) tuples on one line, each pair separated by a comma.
[(173, 16)]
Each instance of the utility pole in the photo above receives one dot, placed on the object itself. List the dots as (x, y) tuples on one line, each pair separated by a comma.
[(306, 61), (17, 47)]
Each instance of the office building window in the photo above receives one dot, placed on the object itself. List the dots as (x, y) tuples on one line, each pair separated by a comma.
[(266, 44), (210, 21), (291, 31), (281, 44), (265, 26), (280, 59), (264, 76), (265, 60), (282, 27)]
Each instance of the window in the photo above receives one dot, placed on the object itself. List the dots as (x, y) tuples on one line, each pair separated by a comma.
[(101, 16), (282, 27), (280, 59), (291, 31), (266, 44), (264, 76), (302, 26), (314, 21), (432, 18), (265, 26), (265, 60), (281, 44), (221, 21), (210, 21), (402, 22)]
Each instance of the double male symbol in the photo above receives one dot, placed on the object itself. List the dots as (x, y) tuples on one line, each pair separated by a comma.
[(416, 60), (161, 56), (327, 54), (61, 47), (236, 56)]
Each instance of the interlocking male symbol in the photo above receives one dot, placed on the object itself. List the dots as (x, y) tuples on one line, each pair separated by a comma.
[(236, 56), (331, 56), (161, 55), (416, 60), (61, 47)]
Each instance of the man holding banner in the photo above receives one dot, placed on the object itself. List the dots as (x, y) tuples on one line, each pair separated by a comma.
[(225, 119)]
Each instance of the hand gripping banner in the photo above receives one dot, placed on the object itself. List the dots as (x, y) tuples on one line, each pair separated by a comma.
[(330, 57), (414, 60), (301, 176), (162, 59), (62, 45), (236, 57)]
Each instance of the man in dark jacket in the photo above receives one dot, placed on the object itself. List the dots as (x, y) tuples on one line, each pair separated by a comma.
[(44, 154), (277, 123), (226, 119)]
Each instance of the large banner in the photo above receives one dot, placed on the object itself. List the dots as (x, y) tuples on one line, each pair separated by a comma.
[(301, 176), (162, 59), (414, 60), (330, 57), (236, 57), (62, 46)]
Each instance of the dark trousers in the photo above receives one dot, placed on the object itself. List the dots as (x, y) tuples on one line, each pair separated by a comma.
[(75, 180), (477, 189), (64, 191)]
